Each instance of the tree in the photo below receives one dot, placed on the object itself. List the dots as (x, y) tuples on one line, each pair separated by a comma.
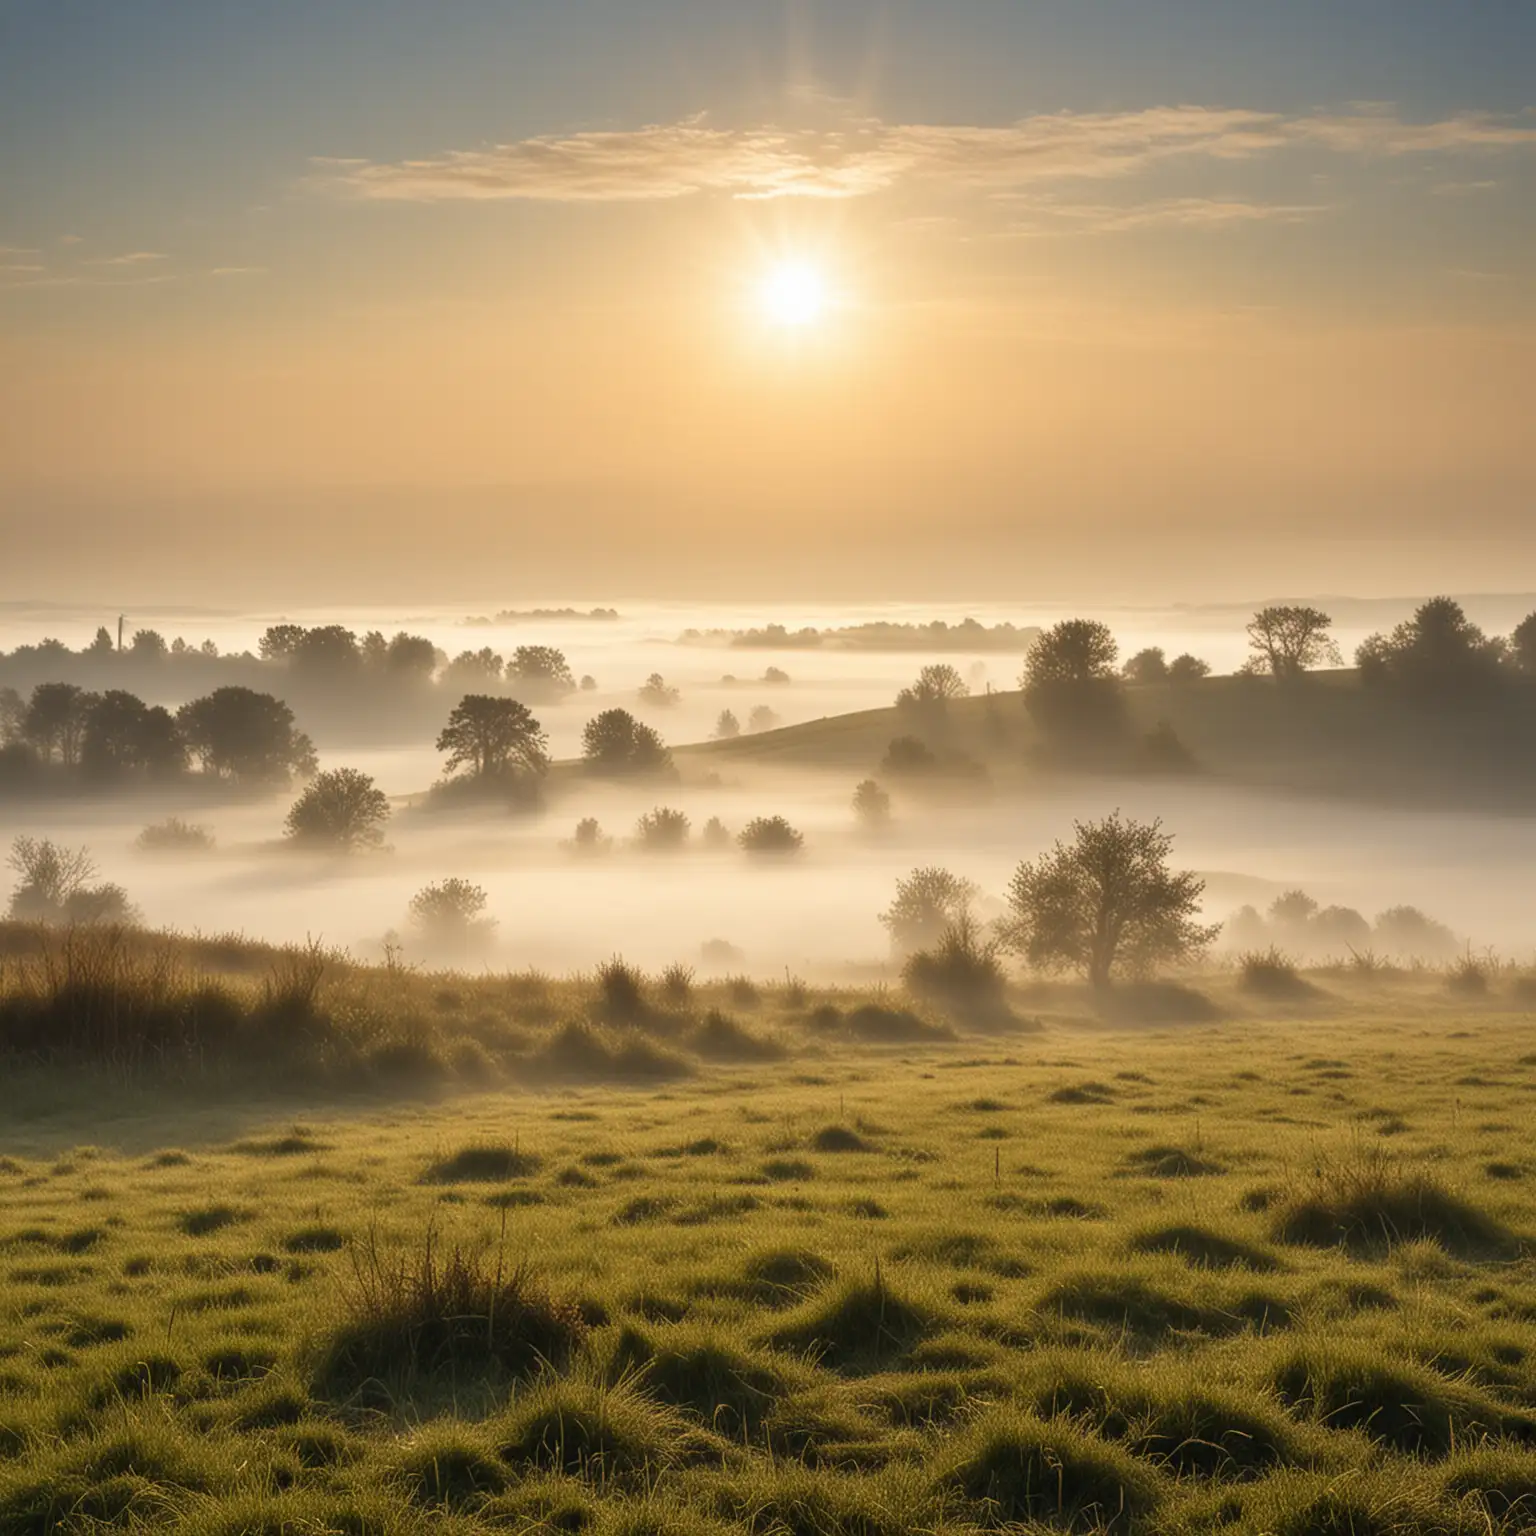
[(727, 726), (1107, 902), (1187, 669), (541, 667), (341, 808), (1437, 657), (450, 915), (148, 645), (872, 805), (411, 658), (1070, 686), (716, 834), (493, 738), (770, 835), (238, 733), (280, 641), (1522, 645), (762, 718), (1148, 666), (927, 901), (1292, 911), (329, 648), (936, 685), (656, 690), (1289, 639), (103, 644), (473, 671), (662, 830), (124, 735), (13, 714), (47, 877), (54, 722), (615, 742)]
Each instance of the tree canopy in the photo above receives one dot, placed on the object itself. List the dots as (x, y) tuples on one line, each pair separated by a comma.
[(615, 742), (238, 733), (493, 737), (1289, 639), (342, 809)]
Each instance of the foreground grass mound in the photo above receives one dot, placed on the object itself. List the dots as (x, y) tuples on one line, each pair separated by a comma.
[(857, 1326), (459, 1315), (1015, 1468), (1368, 1203), (595, 1432)]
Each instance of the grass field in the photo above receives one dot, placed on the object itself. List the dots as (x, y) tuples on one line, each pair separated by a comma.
[(783, 1261)]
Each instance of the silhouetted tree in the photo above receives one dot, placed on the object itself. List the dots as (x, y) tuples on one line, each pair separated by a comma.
[(328, 648), (662, 830), (727, 726), (541, 667), (1070, 685), (716, 834), (615, 742), (473, 670), (1522, 645), (102, 645), (148, 645), (13, 714), (927, 901), (1108, 901), (280, 641), (238, 733), (411, 658), (47, 877), (770, 835), (54, 722), (871, 804), (124, 736), (1437, 657), (656, 690), (493, 738), (1289, 639), (762, 718), (450, 915), (908, 755), (341, 808), (1187, 669), (1148, 666), (1412, 935), (936, 685)]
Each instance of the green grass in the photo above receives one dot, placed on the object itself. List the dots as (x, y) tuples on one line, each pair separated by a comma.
[(672, 1271)]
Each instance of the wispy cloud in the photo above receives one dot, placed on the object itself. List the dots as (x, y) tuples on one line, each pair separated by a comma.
[(664, 161), (1052, 217), (128, 259), (236, 271)]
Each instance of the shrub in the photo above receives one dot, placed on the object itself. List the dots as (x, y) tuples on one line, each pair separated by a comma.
[(908, 755), (1469, 976), (420, 1312), (173, 835), (677, 984), (927, 902), (1269, 973), (871, 805), (962, 970), (656, 691), (450, 914), (589, 837), (662, 830), (770, 834), (727, 726), (621, 989), (762, 718), (716, 835)]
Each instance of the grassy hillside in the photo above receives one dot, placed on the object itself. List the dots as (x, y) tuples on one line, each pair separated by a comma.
[(1327, 735), (1269, 1275)]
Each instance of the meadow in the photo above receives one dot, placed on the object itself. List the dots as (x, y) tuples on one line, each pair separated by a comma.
[(370, 1249)]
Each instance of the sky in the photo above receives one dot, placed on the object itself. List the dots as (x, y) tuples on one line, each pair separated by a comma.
[(1113, 299)]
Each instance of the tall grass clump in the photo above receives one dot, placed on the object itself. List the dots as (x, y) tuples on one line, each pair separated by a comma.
[(1270, 973), (174, 835), (621, 991), (962, 971), (431, 1310)]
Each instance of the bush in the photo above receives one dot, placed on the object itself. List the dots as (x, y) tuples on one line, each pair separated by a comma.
[(173, 835), (716, 834), (621, 988), (616, 743), (762, 719), (450, 914), (589, 837), (662, 830), (962, 970), (872, 805), (656, 691), (411, 1313), (727, 726), (926, 904), (770, 834), (1269, 973)]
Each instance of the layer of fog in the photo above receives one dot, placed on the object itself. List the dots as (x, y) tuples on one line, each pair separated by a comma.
[(815, 915)]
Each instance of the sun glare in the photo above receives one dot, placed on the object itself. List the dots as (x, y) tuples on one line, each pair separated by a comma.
[(793, 293)]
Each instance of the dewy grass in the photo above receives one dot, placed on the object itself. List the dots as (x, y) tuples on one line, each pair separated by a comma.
[(638, 1282)]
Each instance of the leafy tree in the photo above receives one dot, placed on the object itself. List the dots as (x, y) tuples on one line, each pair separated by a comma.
[(727, 726), (103, 644), (662, 830), (927, 901), (124, 735), (770, 835), (473, 671), (1339, 929), (1522, 645), (909, 755), (1148, 666), (1439, 656), (341, 808), (1109, 901), (148, 645), (776, 677), (54, 723), (13, 714), (614, 742), (1413, 935), (871, 804), (1289, 639), (1070, 685), (762, 719), (328, 648), (1292, 911), (1187, 669), (411, 658), (210, 649), (541, 667), (588, 683), (656, 690), (105, 903), (238, 733), (280, 641), (450, 915), (716, 835), (493, 738)]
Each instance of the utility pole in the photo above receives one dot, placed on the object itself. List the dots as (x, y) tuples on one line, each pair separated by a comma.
[(119, 633)]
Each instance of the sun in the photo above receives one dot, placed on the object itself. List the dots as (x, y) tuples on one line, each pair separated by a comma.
[(793, 293)]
